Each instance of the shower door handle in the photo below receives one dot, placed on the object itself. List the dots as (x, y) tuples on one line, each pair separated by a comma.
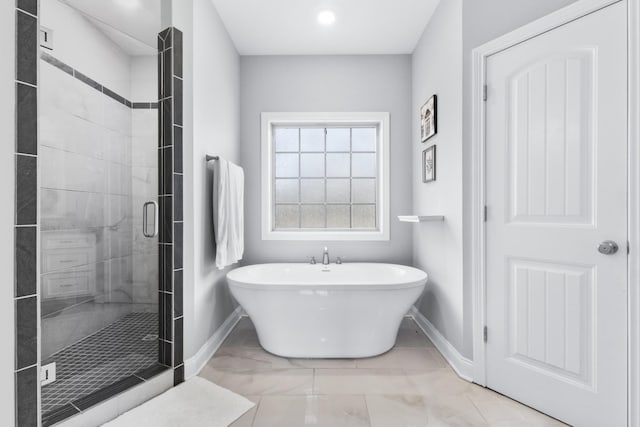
[(145, 219)]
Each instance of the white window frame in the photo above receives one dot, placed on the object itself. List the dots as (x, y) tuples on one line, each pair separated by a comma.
[(378, 119)]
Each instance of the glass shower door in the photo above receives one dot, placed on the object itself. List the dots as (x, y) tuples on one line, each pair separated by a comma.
[(98, 159)]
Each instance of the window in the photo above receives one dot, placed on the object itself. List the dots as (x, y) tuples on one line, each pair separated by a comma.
[(325, 176)]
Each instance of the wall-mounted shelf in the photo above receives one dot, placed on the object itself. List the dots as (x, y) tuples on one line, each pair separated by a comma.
[(420, 218)]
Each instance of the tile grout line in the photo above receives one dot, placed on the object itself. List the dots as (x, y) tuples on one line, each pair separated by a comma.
[(25, 297), (18, 8), (35, 86), (35, 156), (255, 413), (476, 408), (366, 405), (35, 365)]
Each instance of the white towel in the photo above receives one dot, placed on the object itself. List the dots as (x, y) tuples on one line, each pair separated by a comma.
[(228, 212)]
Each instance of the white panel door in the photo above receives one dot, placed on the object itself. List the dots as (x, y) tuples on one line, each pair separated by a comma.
[(556, 188)]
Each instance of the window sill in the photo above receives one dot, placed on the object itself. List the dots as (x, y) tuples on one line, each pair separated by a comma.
[(297, 235)]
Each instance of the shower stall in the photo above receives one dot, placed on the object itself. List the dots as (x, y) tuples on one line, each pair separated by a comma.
[(98, 158)]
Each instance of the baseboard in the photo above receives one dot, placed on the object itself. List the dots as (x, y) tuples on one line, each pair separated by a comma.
[(195, 363), (459, 363)]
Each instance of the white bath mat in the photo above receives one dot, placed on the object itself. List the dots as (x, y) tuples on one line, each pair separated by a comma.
[(196, 402)]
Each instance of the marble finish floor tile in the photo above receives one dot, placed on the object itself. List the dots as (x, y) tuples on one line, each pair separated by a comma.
[(238, 358), (440, 382), (417, 411), (320, 411), (410, 386), (246, 420), (499, 410), (362, 381), (243, 335), (422, 358), (259, 382), (410, 335), (247, 358), (324, 363)]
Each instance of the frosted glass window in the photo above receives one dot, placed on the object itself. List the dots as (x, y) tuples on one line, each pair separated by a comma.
[(286, 139), (312, 165), (312, 139), (338, 165), (312, 190), (287, 190), (363, 139), (363, 216), (338, 190), (339, 216), (287, 216), (325, 177), (287, 165), (313, 216), (364, 190), (339, 139), (364, 164)]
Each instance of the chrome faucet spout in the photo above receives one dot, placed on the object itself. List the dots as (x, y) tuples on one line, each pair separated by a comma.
[(325, 256)]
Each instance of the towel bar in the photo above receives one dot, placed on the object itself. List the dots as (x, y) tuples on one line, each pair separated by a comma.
[(212, 157)]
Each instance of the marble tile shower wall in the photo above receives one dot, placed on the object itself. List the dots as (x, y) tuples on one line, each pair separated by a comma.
[(87, 204), (144, 188), (144, 163)]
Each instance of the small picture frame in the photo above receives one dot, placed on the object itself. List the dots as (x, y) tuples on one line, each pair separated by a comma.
[(429, 118), (429, 164)]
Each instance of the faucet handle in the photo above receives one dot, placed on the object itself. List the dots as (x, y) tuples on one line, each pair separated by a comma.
[(338, 260), (313, 260)]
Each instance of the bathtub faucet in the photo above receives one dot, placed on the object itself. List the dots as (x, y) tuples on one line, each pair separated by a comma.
[(325, 256)]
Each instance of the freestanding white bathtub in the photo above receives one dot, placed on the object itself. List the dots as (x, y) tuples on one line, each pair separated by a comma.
[(317, 311)]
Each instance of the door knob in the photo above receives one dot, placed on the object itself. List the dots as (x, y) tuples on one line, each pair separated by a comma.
[(608, 247)]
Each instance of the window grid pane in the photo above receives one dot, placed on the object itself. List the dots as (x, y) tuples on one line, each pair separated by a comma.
[(322, 203), (287, 140)]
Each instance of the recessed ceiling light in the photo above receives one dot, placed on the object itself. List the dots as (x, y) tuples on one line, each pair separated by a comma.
[(326, 17)]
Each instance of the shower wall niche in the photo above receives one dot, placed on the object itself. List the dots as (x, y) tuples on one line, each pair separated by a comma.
[(98, 160)]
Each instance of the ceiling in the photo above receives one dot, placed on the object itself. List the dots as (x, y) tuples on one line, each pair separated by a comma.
[(131, 24), (290, 27), (276, 27)]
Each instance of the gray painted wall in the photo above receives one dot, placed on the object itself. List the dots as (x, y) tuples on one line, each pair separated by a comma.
[(212, 95), (327, 83), (437, 247), (442, 64)]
